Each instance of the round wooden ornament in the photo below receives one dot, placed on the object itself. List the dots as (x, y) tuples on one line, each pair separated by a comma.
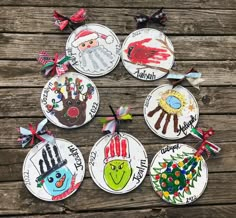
[(147, 54), (170, 112), (118, 163), (53, 171), (94, 50), (178, 175), (70, 100)]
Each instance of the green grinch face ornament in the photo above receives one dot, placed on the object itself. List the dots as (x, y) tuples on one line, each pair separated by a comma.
[(117, 173), (118, 163)]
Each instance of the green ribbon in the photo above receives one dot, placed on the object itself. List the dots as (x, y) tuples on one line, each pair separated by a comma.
[(62, 61)]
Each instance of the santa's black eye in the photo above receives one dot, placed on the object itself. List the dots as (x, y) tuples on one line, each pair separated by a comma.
[(69, 103), (58, 175), (50, 179), (91, 42), (83, 45), (78, 102), (113, 167)]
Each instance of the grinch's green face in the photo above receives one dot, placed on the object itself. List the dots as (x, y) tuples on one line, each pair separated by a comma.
[(117, 173)]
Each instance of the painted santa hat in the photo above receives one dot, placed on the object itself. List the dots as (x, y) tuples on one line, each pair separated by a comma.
[(117, 149), (86, 35)]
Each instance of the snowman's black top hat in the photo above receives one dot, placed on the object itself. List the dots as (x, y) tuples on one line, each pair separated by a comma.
[(50, 160)]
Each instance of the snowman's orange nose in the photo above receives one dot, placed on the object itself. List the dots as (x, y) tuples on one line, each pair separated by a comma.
[(60, 183), (73, 112)]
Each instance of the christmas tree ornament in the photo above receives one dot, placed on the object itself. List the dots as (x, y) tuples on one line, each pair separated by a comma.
[(70, 100), (179, 173), (118, 161), (76, 20), (171, 112), (147, 54), (159, 17), (52, 66), (94, 50)]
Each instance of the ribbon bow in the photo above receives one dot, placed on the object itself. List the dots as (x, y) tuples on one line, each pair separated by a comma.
[(158, 17), (111, 124), (29, 135), (206, 146), (192, 76), (74, 21), (57, 64)]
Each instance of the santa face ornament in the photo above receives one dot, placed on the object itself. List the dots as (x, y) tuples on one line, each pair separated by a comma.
[(53, 171), (170, 112), (147, 54), (94, 50), (70, 101), (178, 175), (118, 163)]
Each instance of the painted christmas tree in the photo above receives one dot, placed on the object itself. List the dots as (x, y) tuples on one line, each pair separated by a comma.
[(176, 176)]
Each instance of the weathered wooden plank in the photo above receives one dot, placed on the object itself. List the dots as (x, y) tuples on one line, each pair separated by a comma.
[(224, 125), (214, 73), (26, 101), (222, 211), (17, 200), (11, 161), (27, 46), (127, 3), (180, 21)]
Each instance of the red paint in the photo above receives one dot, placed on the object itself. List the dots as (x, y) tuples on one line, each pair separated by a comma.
[(117, 142), (112, 148), (124, 146), (73, 112), (139, 53), (106, 152), (174, 166)]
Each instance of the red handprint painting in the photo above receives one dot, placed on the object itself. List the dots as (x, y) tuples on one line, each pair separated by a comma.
[(147, 54), (139, 53)]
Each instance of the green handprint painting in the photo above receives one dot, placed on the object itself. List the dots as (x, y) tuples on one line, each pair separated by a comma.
[(117, 170)]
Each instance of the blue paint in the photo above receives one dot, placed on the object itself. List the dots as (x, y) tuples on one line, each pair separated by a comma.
[(51, 180), (173, 102)]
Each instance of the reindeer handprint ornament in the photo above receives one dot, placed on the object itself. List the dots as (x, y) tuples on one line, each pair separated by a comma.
[(170, 112), (53, 171), (147, 54), (70, 100)]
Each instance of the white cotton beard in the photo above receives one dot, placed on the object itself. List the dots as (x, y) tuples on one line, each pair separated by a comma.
[(96, 59)]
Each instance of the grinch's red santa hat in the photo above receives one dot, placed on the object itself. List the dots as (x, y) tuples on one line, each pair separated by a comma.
[(86, 35), (117, 149)]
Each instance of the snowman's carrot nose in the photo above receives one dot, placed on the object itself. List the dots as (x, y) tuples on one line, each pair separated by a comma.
[(60, 183)]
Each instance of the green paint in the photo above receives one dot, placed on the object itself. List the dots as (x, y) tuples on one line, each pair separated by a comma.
[(117, 174)]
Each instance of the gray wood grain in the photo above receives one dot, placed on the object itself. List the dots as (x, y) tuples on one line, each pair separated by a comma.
[(27, 46), (180, 21)]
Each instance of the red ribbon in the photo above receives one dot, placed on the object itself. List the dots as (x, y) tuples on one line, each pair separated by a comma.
[(205, 136), (34, 134)]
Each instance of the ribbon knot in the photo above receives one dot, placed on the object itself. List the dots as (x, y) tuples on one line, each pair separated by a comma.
[(57, 64), (205, 146), (159, 17), (28, 135), (74, 21), (111, 124), (192, 76)]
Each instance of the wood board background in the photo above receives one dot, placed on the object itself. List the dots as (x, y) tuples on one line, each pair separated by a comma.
[(203, 35)]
